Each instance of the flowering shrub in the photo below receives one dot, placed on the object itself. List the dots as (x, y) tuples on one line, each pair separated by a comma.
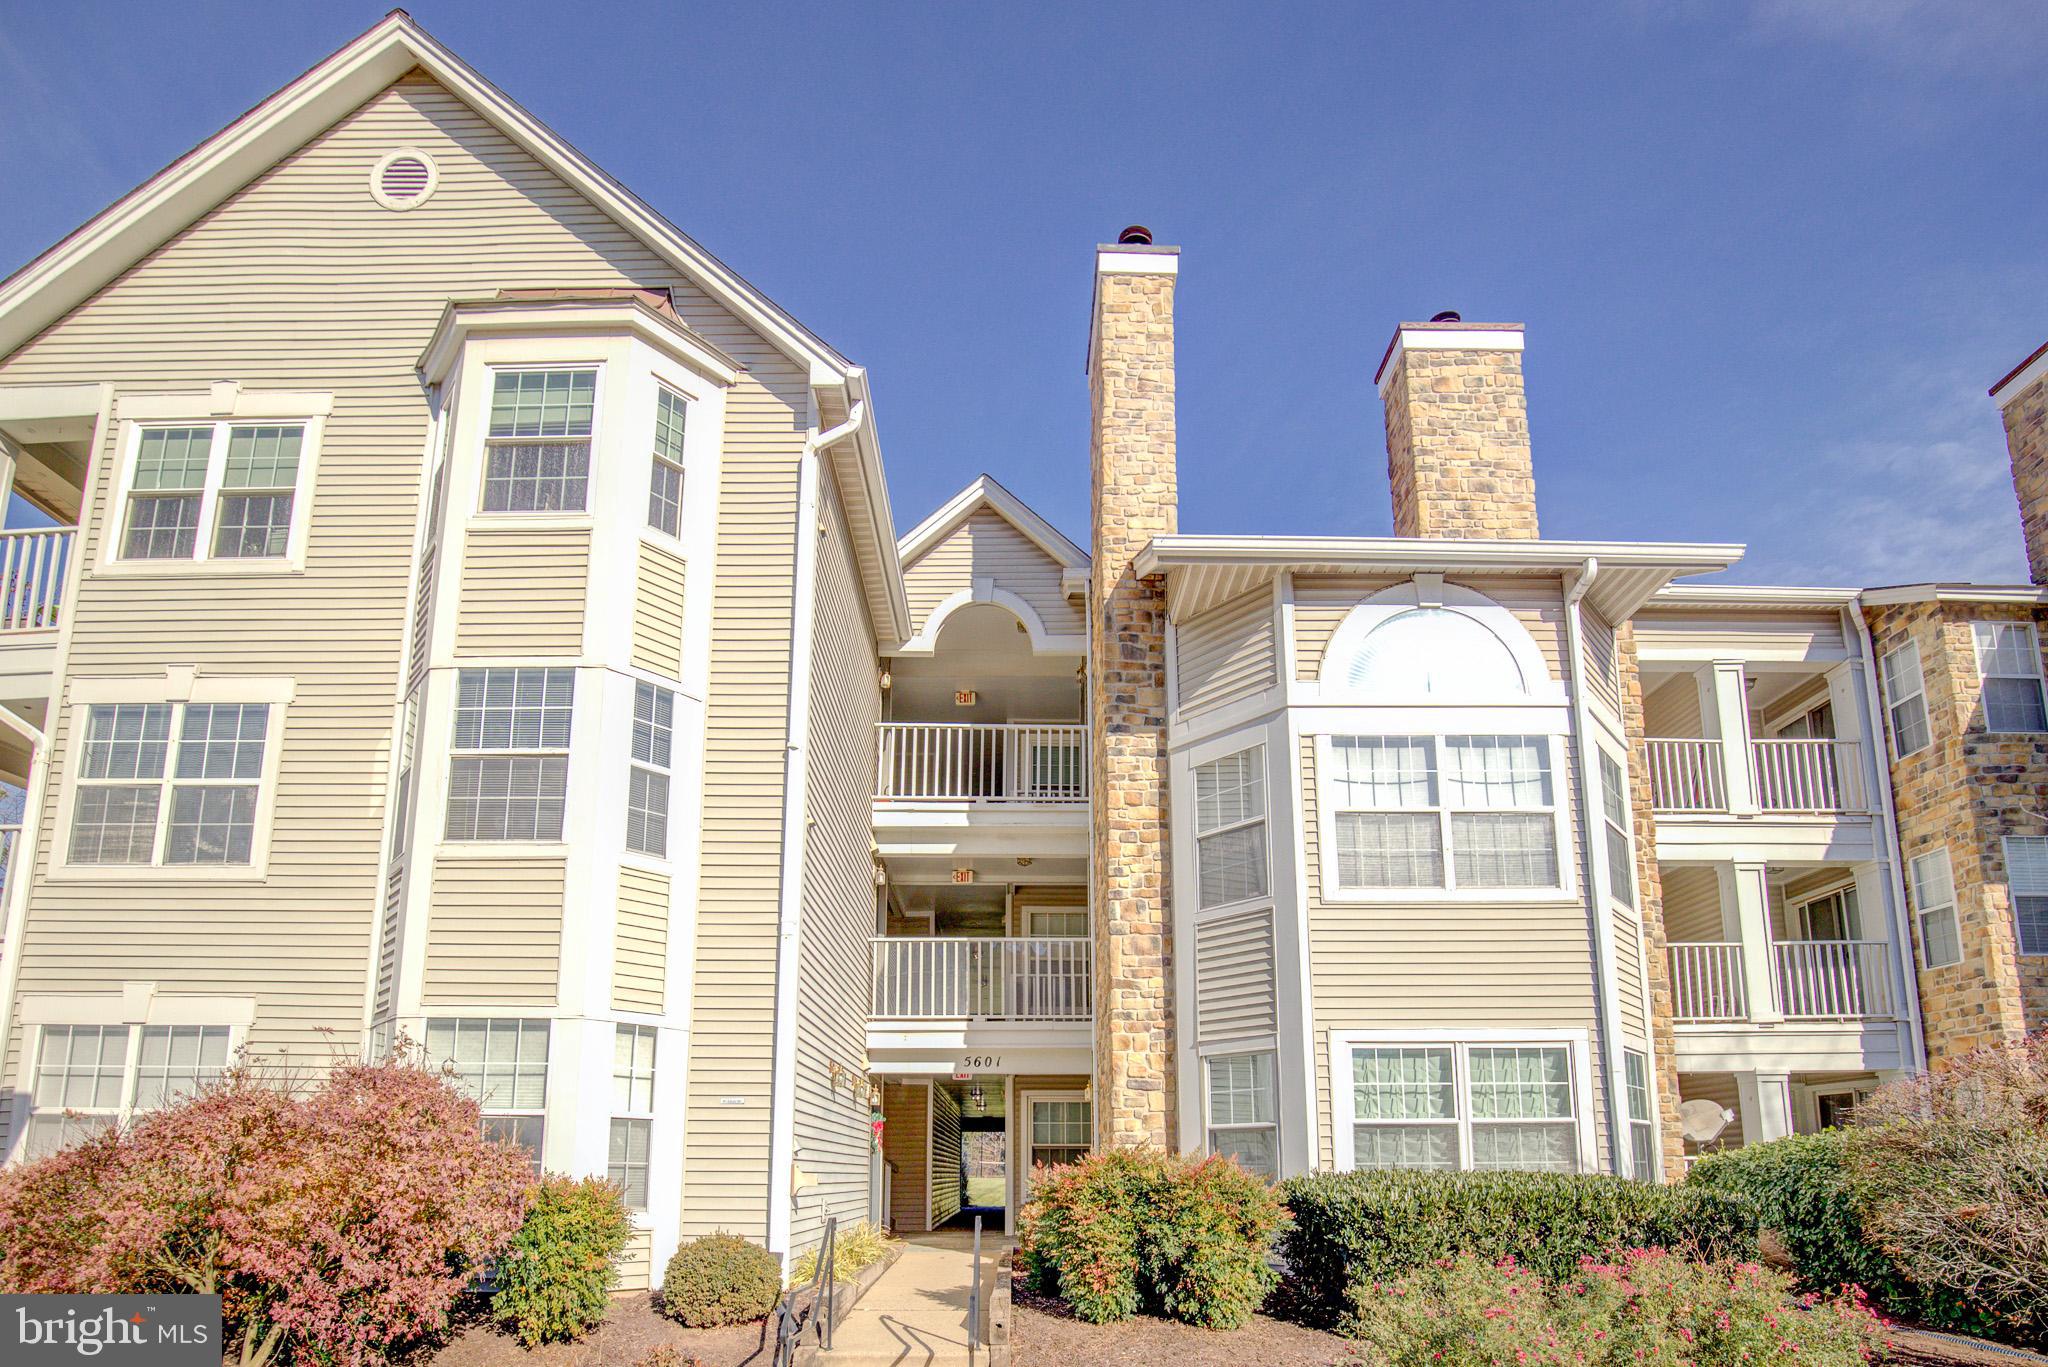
[(1381, 1224), (337, 1225), (1137, 1229), (554, 1282), (1650, 1309)]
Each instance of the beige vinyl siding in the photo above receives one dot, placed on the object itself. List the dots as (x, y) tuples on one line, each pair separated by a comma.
[(1628, 974), (636, 1262), (832, 1132), (1808, 635), (301, 281), (523, 591), (640, 941), (1027, 896), (944, 1173), (1672, 710), (1019, 1137), (905, 1112), (1226, 653), (987, 546), (1235, 978), (494, 933), (658, 611), (1603, 676), (1321, 603), (1692, 904)]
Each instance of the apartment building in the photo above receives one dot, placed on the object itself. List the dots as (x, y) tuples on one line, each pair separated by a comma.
[(471, 614)]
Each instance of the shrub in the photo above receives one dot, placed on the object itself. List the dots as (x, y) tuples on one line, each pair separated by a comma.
[(1137, 1229), (1651, 1309), (720, 1279), (1378, 1225), (555, 1280), (860, 1246), (339, 1225), (1954, 1165)]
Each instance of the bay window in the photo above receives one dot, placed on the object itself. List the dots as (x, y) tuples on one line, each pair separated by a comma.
[(2026, 876), (1621, 864), (2009, 666), (654, 711), (502, 1065), (1460, 1104), (1642, 1122), (1905, 699), (509, 776), (1242, 1118), (1230, 828), (1443, 812), (665, 485), (537, 452), (1933, 888), (632, 1128)]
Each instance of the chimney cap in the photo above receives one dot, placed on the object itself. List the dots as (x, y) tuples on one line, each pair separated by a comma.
[(1137, 235), (1451, 331), (1447, 316), (2032, 363)]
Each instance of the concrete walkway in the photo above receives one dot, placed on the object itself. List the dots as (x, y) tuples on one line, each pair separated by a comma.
[(916, 1315)]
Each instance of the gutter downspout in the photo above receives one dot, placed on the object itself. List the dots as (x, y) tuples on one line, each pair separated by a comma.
[(1880, 768), (1592, 872), (795, 792)]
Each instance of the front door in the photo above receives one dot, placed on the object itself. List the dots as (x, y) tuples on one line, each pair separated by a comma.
[(1057, 1128)]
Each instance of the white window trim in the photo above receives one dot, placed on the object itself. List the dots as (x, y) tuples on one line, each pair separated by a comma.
[(1267, 1049), (177, 685), (1229, 749), (1891, 705), (662, 536), (1326, 825), (503, 849), (1342, 1042), (227, 407), (1920, 912), (1628, 823), (640, 1216), (1023, 1146), (1795, 911), (1631, 1120), (586, 517), (649, 858), (2033, 658), (2012, 900), (496, 1014)]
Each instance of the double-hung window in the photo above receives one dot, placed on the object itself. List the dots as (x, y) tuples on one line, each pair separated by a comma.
[(2026, 876), (2009, 664), (502, 1065), (1642, 1124), (654, 714), (1621, 867), (1463, 1105), (1454, 812), (1934, 906), (1230, 827), (1905, 699), (632, 1111), (509, 777), (1242, 1121), (665, 485), (210, 755), (214, 491), (537, 454), (88, 1077)]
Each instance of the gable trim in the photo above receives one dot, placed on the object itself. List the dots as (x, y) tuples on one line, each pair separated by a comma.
[(985, 492)]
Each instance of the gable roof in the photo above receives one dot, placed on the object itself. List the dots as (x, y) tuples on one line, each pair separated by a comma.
[(985, 492), (119, 236)]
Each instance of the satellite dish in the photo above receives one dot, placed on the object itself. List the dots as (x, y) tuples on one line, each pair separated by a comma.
[(1702, 1121)]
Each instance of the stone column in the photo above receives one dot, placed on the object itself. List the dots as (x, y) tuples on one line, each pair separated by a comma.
[(1131, 388), (1458, 431)]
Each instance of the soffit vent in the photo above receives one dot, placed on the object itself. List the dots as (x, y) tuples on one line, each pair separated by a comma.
[(404, 179)]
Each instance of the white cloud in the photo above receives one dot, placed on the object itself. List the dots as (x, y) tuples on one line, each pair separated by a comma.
[(1927, 35)]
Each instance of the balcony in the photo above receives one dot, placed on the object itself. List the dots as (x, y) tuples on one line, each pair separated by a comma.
[(1688, 774), (1813, 980), (1005, 789), (32, 570), (1009, 979)]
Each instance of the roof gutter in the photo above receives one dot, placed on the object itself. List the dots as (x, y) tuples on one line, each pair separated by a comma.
[(795, 811)]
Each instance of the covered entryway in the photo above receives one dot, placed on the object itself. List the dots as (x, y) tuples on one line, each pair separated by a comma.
[(957, 1148)]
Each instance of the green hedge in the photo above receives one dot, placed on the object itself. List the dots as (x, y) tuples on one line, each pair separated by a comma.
[(1374, 1226), (556, 1279)]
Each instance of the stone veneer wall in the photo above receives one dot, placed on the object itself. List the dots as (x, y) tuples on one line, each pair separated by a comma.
[(1458, 446), (1650, 903), (1967, 791), (1131, 383), (2026, 439)]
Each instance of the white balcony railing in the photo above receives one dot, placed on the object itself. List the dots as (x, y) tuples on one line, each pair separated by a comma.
[(32, 577), (962, 978), (1020, 762), (1706, 982), (1834, 979), (1688, 774)]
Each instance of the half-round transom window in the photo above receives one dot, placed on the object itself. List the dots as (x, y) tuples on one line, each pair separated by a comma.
[(403, 179), (1434, 652)]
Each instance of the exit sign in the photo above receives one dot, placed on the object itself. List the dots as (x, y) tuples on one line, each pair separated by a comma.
[(963, 698), (963, 875)]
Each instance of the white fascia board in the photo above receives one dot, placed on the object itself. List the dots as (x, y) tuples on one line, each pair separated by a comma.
[(463, 319), (986, 492), (70, 272), (1166, 553), (1751, 596), (2025, 595), (892, 622)]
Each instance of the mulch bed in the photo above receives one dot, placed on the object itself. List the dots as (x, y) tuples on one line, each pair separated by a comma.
[(629, 1333), (1045, 1333)]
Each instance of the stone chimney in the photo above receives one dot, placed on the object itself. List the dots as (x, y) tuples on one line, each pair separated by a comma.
[(2023, 400), (1458, 431), (1130, 382)]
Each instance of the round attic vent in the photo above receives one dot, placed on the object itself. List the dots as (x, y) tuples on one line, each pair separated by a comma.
[(404, 179)]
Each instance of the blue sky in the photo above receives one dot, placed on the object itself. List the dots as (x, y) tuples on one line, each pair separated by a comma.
[(1770, 252)]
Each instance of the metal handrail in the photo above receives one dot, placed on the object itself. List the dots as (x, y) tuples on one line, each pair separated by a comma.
[(792, 1319), (974, 1298)]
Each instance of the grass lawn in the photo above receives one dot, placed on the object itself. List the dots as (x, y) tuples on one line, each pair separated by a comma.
[(984, 1191)]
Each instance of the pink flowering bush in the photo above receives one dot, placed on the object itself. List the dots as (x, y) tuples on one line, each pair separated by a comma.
[(336, 1226), (1651, 1308)]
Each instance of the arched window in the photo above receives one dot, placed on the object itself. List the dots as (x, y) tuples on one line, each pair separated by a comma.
[(1432, 652)]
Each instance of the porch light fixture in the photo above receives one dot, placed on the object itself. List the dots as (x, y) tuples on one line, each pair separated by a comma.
[(975, 1096)]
